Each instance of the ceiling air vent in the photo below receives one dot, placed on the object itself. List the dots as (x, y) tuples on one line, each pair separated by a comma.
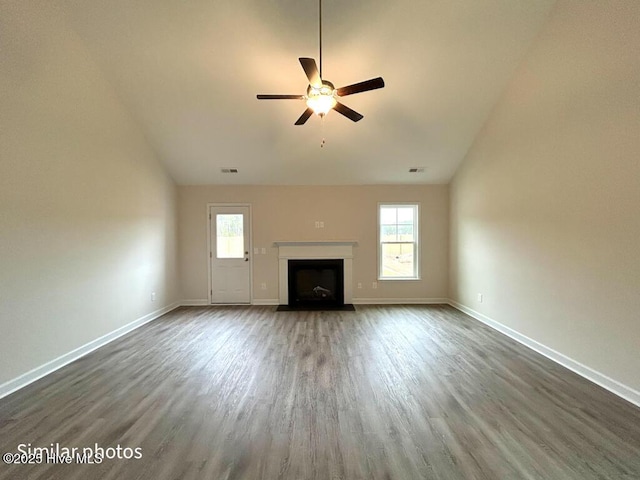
[(229, 170), (416, 170)]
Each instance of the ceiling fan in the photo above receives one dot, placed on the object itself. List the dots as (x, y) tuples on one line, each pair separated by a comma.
[(321, 95)]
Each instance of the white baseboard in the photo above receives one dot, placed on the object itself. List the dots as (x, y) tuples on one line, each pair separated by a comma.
[(205, 303), (399, 301), (619, 389), (265, 301), (355, 301), (195, 303), (37, 373), (371, 301)]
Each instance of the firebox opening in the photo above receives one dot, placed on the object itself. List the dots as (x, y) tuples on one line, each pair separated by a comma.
[(316, 283)]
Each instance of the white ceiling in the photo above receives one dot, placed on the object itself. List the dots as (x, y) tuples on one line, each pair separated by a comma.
[(189, 72)]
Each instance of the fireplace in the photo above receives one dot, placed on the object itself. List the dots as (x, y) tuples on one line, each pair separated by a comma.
[(316, 283), (328, 250)]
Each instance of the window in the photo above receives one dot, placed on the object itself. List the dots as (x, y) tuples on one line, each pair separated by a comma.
[(398, 249), (229, 236)]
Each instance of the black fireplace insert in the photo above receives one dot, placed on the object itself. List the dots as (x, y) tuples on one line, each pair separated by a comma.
[(316, 283)]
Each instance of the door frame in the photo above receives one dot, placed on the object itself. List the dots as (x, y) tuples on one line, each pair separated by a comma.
[(210, 251)]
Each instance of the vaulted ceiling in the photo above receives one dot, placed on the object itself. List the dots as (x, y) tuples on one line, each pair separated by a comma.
[(189, 71)]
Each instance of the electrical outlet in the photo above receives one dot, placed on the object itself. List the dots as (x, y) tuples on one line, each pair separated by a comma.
[(480, 297), (321, 224), (153, 296), (317, 224), (374, 285), (264, 251), (359, 285), (263, 286)]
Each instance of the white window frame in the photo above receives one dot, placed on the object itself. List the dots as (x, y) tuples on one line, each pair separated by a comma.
[(416, 240)]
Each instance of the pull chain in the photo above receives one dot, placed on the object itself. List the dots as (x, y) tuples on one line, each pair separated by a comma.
[(320, 33), (320, 60)]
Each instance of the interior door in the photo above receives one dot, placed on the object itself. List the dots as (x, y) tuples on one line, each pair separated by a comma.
[(229, 253)]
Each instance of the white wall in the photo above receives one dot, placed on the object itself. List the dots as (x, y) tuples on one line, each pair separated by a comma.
[(87, 214), (545, 210), (289, 213)]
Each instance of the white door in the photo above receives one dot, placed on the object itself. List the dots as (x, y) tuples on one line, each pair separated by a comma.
[(230, 247)]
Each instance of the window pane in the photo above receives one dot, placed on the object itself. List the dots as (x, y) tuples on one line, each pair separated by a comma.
[(229, 236), (405, 233), (405, 215), (388, 215), (397, 260), (388, 233)]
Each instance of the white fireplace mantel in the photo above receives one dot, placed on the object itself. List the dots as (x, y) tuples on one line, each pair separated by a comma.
[(314, 250)]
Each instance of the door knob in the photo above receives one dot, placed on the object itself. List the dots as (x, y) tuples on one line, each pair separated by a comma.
[(246, 259)]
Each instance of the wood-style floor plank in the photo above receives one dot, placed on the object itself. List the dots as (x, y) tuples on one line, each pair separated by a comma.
[(386, 392)]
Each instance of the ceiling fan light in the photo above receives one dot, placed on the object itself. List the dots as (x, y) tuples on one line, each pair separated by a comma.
[(321, 103)]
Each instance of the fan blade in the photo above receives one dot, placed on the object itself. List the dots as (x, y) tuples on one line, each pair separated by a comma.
[(311, 69), (360, 87), (304, 117), (280, 97), (347, 112)]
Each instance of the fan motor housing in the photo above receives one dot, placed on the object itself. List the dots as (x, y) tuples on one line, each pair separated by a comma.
[(327, 88)]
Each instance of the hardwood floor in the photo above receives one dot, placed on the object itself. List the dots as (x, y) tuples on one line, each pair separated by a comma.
[(381, 393)]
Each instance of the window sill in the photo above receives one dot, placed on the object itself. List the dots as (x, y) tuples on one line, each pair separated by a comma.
[(398, 279)]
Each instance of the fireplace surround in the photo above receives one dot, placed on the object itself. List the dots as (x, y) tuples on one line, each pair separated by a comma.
[(315, 250)]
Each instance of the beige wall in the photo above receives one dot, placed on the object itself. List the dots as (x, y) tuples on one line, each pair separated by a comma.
[(545, 210), (290, 212), (87, 214)]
